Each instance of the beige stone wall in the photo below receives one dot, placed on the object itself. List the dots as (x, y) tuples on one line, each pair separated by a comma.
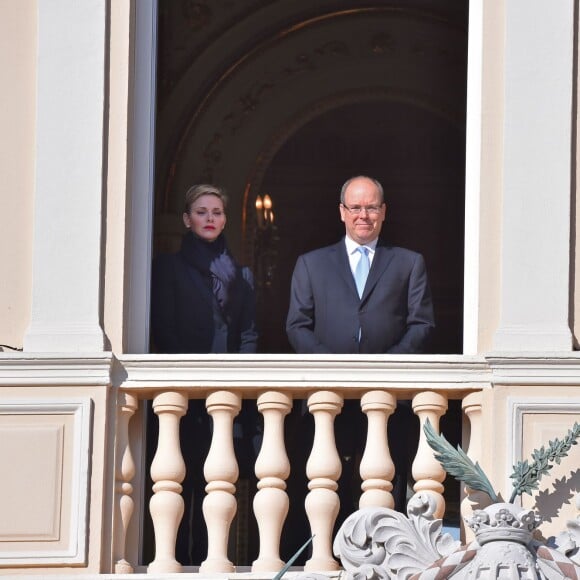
[(554, 498), (17, 165), (519, 419)]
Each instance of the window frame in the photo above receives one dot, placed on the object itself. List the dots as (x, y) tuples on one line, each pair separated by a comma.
[(141, 174)]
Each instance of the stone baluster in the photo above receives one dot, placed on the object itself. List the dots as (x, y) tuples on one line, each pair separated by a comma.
[(167, 473), (124, 473), (323, 469), (427, 471), (272, 469), (376, 466), (472, 405), (221, 473)]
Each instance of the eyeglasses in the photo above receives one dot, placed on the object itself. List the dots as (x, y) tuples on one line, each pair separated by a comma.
[(357, 209), (202, 213)]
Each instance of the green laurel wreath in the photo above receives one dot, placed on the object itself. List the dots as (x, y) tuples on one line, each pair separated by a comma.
[(526, 475), (457, 463)]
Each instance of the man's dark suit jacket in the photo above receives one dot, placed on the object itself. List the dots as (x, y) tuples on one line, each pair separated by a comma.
[(395, 312)]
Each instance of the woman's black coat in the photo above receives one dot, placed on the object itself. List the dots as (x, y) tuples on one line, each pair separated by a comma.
[(185, 314)]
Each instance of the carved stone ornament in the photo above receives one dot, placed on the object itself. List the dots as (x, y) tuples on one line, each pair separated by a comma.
[(377, 543), (380, 543)]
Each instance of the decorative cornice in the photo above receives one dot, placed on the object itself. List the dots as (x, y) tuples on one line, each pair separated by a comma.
[(538, 368), (40, 369), (407, 373)]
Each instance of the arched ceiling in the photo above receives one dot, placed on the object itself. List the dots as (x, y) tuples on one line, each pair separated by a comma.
[(235, 82)]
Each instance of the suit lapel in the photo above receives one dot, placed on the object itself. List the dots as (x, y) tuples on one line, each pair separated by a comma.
[(382, 259), (342, 265)]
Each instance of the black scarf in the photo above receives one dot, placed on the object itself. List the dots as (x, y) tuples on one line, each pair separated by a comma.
[(214, 261)]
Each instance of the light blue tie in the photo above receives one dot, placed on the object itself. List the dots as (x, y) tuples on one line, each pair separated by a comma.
[(361, 271)]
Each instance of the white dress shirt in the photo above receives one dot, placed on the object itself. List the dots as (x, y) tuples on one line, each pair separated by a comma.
[(354, 255)]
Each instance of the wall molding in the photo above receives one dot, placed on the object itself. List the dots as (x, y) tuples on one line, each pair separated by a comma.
[(75, 550), (50, 370), (518, 407)]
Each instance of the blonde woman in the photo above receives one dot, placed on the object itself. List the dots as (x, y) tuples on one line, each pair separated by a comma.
[(202, 300)]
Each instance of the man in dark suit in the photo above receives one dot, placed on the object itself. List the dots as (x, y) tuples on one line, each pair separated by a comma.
[(393, 312), (363, 296)]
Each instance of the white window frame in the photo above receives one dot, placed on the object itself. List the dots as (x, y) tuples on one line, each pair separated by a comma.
[(141, 220), (142, 176)]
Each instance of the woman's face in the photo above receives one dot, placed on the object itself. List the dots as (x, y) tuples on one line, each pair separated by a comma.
[(206, 217)]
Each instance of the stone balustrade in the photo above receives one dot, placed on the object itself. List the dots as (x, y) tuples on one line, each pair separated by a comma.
[(169, 386), (129, 439)]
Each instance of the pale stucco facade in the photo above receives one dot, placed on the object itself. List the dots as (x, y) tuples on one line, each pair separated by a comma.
[(76, 145)]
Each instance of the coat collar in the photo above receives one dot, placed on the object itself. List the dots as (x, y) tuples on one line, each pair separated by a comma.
[(381, 261), (204, 290), (342, 265)]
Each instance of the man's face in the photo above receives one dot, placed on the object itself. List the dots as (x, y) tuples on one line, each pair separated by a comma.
[(365, 226)]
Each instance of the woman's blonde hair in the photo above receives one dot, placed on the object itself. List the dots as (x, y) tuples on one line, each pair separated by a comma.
[(196, 191)]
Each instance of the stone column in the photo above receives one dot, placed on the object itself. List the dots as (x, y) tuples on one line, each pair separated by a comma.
[(221, 473), (427, 471), (537, 169), (70, 154), (376, 466), (272, 468), (124, 473), (167, 473), (323, 469), (472, 406)]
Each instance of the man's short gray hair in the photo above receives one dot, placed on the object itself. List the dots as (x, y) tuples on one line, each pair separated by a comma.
[(375, 181)]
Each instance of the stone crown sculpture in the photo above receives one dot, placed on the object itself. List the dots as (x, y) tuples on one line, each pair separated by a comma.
[(380, 543)]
